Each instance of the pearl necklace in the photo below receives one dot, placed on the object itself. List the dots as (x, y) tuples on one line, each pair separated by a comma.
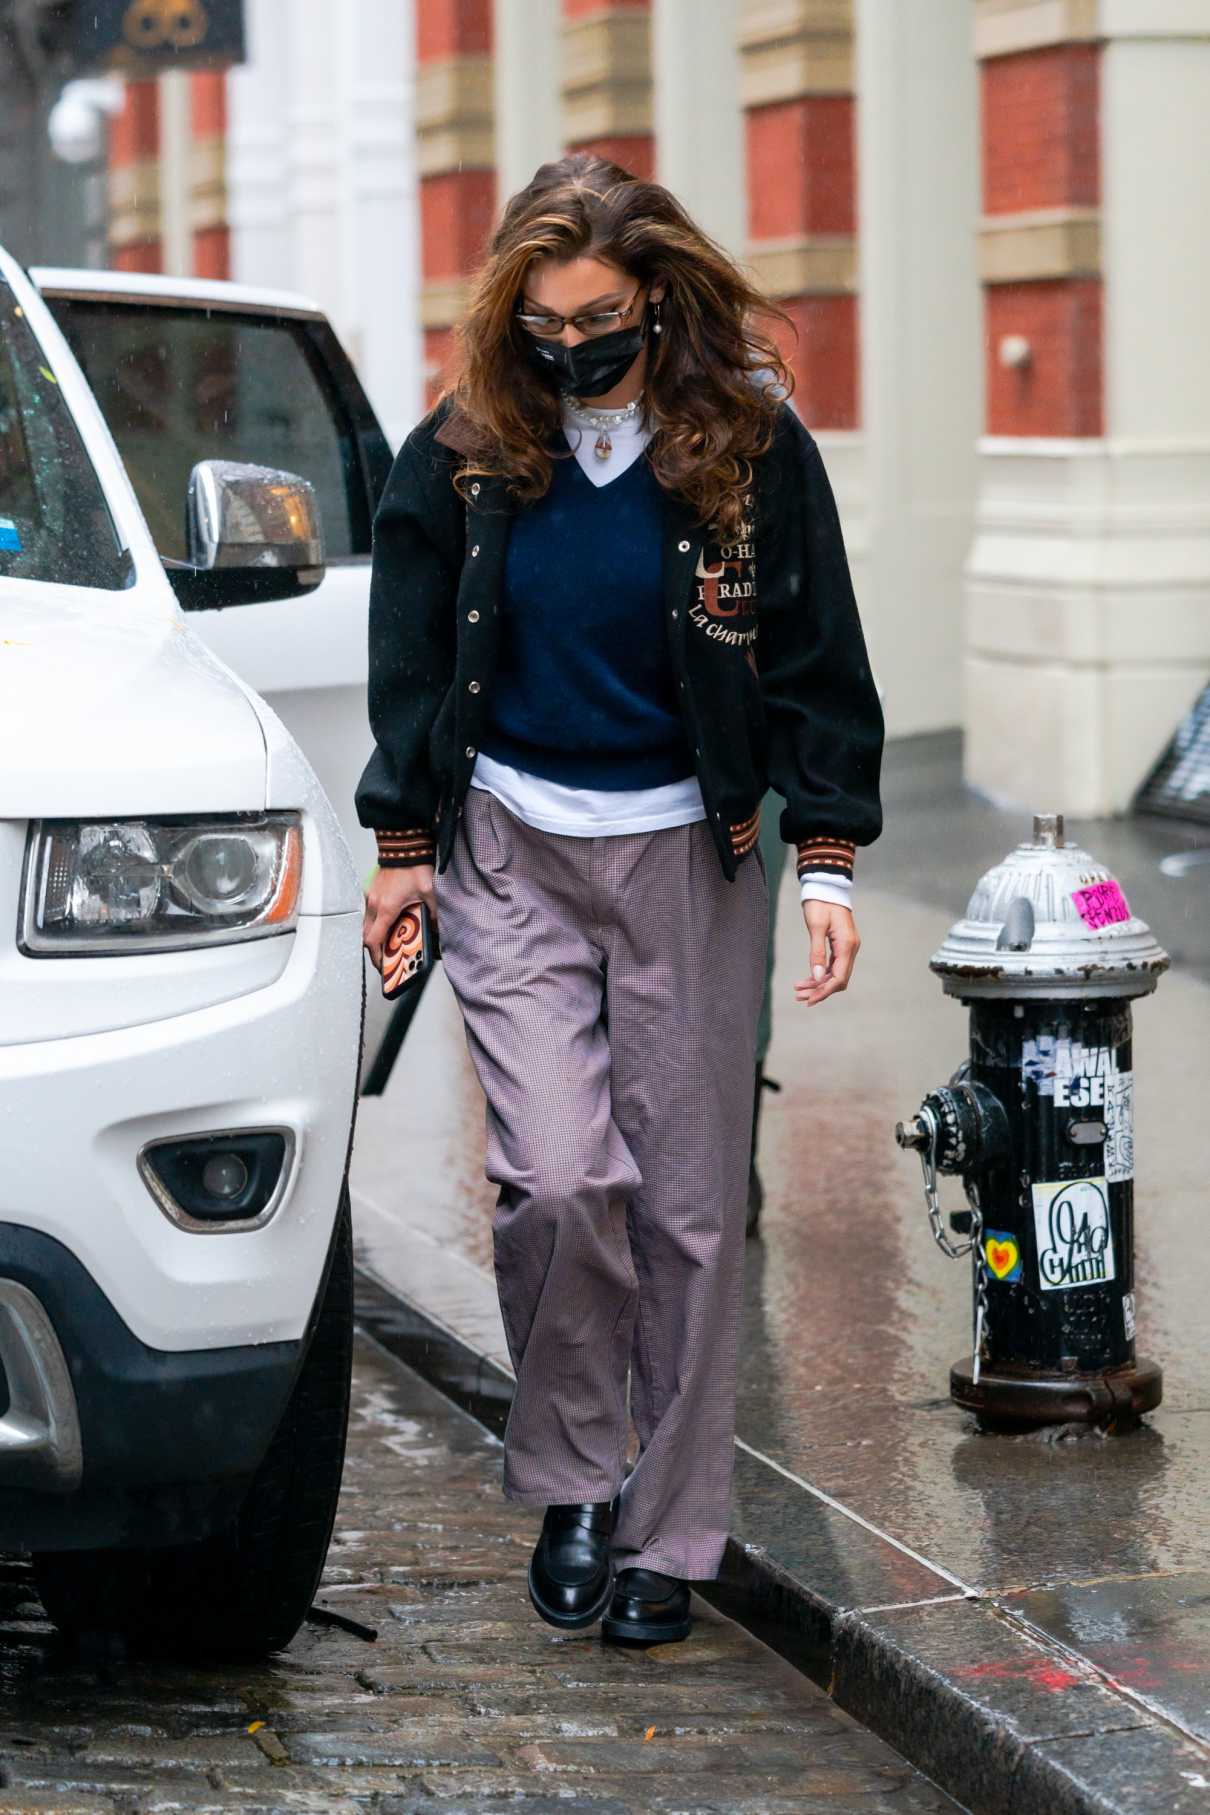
[(602, 420)]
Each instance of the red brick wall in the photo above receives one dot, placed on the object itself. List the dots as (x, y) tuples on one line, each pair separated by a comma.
[(208, 126), (457, 202), (801, 157), (134, 146), (445, 28), (802, 175), (455, 218), (634, 151), (825, 361), (1040, 133), (1040, 141), (1060, 391)]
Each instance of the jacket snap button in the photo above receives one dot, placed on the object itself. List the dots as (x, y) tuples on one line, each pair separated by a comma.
[(470, 749), (474, 491), (684, 547), (675, 612), (472, 686), (472, 617), (475, 549)]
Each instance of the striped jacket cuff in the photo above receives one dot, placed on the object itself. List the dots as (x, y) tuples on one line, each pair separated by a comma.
[(744, 834), (400, 850), (825, 854)]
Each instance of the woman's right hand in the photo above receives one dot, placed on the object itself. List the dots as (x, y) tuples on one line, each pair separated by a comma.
[(389, 893)]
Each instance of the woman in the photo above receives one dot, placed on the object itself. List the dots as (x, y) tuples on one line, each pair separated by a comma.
[(610, 602)]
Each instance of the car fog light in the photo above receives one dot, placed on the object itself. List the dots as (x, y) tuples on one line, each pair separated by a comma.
[(225, 1175), (226, 1181)]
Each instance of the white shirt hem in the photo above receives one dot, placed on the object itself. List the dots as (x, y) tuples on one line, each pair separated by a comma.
[(551, 806)]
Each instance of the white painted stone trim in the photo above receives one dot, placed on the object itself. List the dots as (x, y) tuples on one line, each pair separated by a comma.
[(1087, 614), (1154, 19)]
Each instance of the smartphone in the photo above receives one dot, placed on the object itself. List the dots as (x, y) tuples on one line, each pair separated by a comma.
[(408, 951)]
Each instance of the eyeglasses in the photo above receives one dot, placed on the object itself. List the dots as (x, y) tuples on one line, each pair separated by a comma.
[(601, 321)]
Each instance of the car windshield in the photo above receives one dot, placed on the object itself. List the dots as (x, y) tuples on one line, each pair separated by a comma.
[(54, 521)]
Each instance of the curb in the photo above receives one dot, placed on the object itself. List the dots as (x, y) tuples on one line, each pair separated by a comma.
[(1000, 1740)]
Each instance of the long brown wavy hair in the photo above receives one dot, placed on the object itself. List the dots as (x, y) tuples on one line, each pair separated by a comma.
[(714, 374)]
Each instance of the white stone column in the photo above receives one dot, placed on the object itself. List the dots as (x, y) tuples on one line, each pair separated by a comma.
[(380, 226), (921, 352), (256, 152), (313, 154), (526, 83), (699, 127), (1155, 113), (176, 240), (322, 180)]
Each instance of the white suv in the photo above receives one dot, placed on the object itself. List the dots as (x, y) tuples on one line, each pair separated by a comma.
[(187, 369), (180, 1015)]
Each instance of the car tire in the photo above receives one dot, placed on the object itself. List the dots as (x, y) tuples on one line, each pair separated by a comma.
[(245, 1591)]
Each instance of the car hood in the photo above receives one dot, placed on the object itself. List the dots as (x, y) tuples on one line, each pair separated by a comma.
[(108, 705)]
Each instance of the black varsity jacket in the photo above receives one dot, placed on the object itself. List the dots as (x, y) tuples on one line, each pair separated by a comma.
[(766, 647)]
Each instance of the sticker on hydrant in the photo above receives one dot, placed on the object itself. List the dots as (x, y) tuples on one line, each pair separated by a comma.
[(1002, 1252), (1128, 1315), (1101, 903), (1076, 1076), (1119, 1127), (1075, 1245)]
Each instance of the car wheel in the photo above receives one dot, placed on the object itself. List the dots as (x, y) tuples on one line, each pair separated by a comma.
[(244, 1591)]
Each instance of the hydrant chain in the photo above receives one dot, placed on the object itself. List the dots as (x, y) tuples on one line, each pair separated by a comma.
[(982, 1308), (928, 1166), (923, 1134)]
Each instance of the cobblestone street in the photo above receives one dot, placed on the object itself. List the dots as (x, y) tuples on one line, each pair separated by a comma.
[(463, 1701)]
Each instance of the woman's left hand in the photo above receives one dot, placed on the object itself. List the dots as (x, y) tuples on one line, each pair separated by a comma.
[(834, 948)]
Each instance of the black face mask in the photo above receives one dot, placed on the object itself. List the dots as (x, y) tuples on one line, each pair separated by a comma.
[(591, 367)]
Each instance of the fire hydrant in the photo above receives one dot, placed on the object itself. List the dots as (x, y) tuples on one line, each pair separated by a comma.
[(1038, 1125)]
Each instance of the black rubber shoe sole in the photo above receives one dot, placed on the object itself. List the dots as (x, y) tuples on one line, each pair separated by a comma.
[(570, 1622), (640, 1632)]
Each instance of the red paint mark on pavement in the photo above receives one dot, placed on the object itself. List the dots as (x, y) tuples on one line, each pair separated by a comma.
[(1132, 1673), (1040, 1673)]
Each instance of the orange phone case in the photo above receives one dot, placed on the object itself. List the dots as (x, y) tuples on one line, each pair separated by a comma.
[(408, 950)]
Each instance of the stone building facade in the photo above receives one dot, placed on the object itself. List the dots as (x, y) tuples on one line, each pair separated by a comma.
[(986, 219)]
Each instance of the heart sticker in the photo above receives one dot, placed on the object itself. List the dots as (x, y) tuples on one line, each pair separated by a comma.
[(1002, 1254)]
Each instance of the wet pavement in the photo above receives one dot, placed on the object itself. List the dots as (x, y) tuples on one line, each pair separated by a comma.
[(451, 1695), (859, 1487)]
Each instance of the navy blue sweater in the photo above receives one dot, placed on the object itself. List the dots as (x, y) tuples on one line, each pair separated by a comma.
[(584, 692)]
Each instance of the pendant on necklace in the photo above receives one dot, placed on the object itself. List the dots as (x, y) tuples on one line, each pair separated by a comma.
[(602, 447)]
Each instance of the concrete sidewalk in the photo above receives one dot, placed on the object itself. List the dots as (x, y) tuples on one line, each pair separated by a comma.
[(1026, 1620)]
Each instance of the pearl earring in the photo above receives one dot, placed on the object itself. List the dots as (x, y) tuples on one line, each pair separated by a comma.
[(655, 326)]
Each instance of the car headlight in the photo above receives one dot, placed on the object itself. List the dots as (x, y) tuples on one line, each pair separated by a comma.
[(124, 885)]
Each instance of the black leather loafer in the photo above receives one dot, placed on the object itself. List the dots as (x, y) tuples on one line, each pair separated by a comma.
[(648, 1608), (571, 1571)]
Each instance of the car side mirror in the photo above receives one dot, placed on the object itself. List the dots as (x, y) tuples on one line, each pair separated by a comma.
[(253, 533)]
